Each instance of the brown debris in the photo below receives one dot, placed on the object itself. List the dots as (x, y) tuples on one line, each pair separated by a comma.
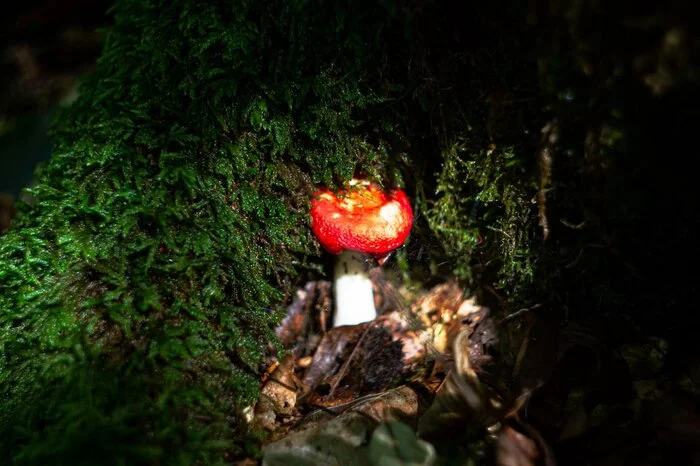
[(327, 396), (336, 346), (333, 367), (328, 437), (279, 395), (440, 304), (460, 397)]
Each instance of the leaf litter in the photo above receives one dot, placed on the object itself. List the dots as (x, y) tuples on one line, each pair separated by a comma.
[(438, 378)]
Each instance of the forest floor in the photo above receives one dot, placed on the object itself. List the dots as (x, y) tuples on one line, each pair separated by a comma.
[(476, 386)]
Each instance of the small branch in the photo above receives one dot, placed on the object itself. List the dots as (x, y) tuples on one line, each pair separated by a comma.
[(573, 226), (520, 312), (550, 136), (346, 364)]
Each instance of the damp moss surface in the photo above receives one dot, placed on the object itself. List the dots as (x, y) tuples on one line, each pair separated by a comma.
[(140, 289)]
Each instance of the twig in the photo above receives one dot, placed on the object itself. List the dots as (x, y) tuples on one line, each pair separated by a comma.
[(521, 311), (573, 226), (346, 364), (283, 385)]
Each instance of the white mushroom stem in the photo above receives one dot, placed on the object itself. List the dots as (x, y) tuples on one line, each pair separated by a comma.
[(354, 297)]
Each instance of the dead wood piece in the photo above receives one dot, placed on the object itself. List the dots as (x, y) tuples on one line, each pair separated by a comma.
[(334, 348), (307, 317)]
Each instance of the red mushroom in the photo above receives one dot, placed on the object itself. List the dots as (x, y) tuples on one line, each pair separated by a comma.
[(359, 221)]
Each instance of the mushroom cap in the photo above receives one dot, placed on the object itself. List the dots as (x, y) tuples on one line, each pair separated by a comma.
[(362, 217)]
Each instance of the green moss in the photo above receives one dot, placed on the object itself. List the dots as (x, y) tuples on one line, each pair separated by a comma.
[(480, 204), (140, 290)]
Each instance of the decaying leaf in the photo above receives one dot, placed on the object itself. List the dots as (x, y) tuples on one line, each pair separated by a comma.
[(461, 396)]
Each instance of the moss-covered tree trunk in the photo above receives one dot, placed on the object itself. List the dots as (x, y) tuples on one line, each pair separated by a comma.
[(139, 292)]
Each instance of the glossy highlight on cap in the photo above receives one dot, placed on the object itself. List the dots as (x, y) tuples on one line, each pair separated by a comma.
[(361, 217)]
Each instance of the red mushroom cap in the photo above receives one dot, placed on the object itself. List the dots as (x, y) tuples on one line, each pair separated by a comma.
[(362, 217)]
